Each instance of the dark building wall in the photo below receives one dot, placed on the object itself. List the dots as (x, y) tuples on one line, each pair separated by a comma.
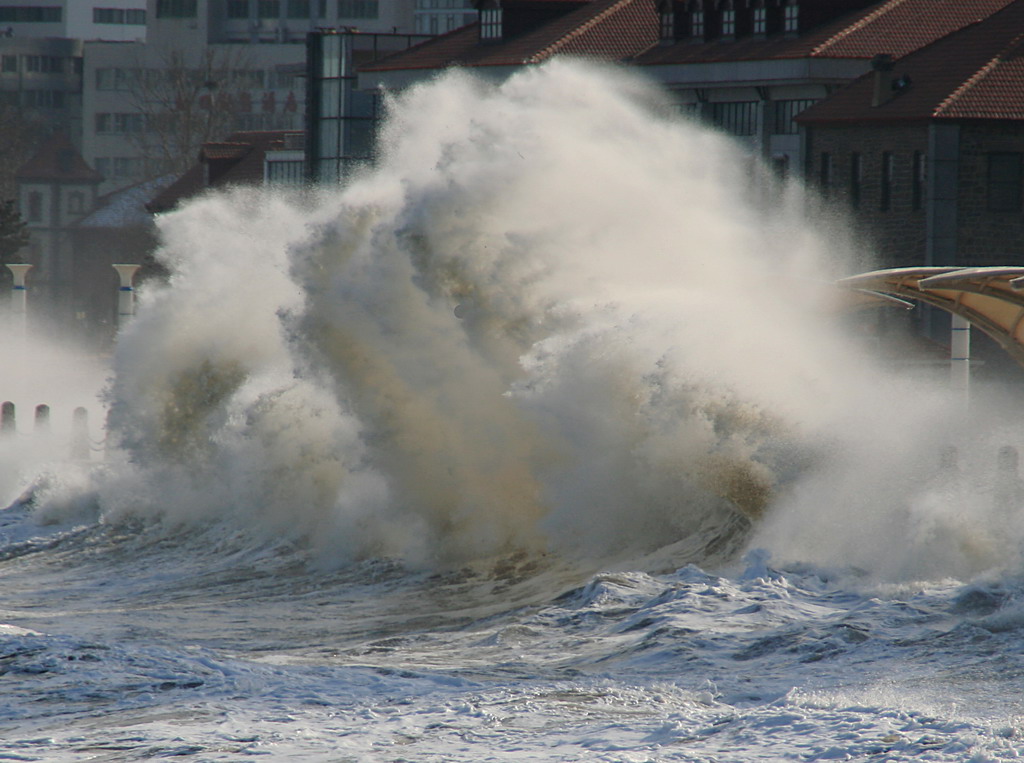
[(897, 232), (985, 236), (965, 229)]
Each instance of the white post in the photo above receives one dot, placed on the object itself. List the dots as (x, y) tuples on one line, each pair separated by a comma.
[(19, 296), (126, 296), (960, 356)]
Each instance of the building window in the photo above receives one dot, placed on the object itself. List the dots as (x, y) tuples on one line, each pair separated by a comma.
[(855, 179), (791, 17), (298, 9), (729, 23), (885, 195), (490, 21), (129, 122), (43, 99), (110, 78), (291, 172), (176, 9), (736, 118), (917, 182), (268, 9), (35, 207), (760, 20), (697, 24), (1004, 182), (31, 15), (667, 20), (825, 173), (238, 9), (9, 64), (783, 113), (108, 15), (135, 16), (358, 9)]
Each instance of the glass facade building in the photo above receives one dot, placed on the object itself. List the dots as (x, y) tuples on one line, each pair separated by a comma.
[(342, 119)]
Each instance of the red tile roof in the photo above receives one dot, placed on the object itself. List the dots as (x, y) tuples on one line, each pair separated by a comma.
[(903, 26), (58, 160), (239, 160), (604, 29), (225, 150), (975, 73), (896, 27)]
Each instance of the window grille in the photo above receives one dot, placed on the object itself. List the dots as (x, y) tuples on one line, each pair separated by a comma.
[(358, 9), (490, 23), (783, 113), (736, 118), (791, 18), (760, 20), (697, 24), (26, 14), (729, 23), (176, 9)]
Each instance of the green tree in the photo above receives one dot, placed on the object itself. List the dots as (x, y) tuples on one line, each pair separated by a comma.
[(13, 233)]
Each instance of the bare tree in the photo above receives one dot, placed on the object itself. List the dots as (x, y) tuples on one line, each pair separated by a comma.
[(185, 101), (22, 133)]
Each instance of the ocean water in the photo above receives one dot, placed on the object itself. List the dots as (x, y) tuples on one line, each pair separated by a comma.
[(542, 439)]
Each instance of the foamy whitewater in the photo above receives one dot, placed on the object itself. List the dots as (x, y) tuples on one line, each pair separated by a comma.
[(543, 439)]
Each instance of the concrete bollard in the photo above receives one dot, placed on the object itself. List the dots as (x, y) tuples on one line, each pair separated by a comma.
[(8, 419), (42, 421), (80, 435)]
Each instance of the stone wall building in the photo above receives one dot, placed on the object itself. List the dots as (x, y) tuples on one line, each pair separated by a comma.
[(927, 151)]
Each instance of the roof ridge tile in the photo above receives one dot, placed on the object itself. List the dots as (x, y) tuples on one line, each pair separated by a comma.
[(964, 86), (990, 66), (857, 25), (575, 32)]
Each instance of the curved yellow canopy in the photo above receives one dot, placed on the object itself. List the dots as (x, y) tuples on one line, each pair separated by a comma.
[(990, 298)]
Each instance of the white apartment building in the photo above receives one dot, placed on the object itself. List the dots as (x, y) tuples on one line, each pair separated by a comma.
[(243, 59), (41, 78), (147, 109), (123, 20)]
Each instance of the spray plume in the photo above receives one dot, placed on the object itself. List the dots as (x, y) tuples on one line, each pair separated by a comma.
[(553, 317)]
